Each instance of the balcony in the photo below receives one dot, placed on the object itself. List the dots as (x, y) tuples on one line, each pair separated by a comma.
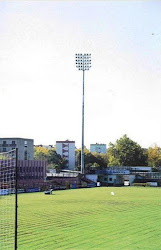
[(4, 145)]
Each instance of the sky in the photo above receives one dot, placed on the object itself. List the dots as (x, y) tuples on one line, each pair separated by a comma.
[(41, 88)]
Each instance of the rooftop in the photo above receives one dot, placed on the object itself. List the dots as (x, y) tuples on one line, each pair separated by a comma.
[(14, 138)]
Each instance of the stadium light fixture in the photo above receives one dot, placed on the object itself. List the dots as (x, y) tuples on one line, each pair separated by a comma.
[(83, 62)]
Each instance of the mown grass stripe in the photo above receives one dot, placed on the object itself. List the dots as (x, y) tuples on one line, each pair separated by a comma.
[(91, 219)]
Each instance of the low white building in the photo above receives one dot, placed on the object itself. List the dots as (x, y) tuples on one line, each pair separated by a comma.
[(67, 150), (116, 179), (98, 148)]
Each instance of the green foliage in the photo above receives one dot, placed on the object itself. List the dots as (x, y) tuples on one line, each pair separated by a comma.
[(53, 159), (78, 159), (92, 160), (101, 159), (126, 153), (40, 153), (113, 156), (154, 157), (56, 160), (141, 184), (2, 157)]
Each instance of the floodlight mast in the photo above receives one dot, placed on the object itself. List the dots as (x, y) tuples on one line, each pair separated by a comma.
[(83, 62)]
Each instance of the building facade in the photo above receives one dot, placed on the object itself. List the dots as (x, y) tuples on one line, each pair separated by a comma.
[(98, 148), (118, 175), (31, 173), (67, 150), (25, 147)]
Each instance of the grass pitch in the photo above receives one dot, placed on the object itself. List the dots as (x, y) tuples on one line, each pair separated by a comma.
[(91, 219)]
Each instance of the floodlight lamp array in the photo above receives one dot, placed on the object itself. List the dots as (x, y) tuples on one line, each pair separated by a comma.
[(83, 61)]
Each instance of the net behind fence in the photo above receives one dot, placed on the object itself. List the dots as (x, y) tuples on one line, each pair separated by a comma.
[(8, 199)]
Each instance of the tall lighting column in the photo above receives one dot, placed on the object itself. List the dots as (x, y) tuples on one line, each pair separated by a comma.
[(83, 62)]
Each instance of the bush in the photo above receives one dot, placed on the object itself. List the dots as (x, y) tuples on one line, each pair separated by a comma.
[(141, 184)]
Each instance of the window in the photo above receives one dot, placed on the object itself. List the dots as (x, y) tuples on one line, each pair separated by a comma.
[(4, 150), (105, 179), (4, 143), (110, 179), (13, 142)]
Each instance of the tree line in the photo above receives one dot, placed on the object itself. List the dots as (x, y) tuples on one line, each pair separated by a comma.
[(125, 152)]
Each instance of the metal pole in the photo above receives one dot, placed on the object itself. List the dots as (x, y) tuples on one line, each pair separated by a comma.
[(16, 198), (82, 151), (83, 62)]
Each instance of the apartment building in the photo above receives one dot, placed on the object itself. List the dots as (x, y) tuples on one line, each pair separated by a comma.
[(67, 150), (25, 147)]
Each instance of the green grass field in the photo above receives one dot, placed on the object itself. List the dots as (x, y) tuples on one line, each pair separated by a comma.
[(91, 219)]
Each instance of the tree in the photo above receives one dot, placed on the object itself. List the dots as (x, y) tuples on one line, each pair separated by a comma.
[(40, 153), (100, 159), (92, 161), (56, 161), (154, 156), (126, 153), (53, 159), (78, 159)]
